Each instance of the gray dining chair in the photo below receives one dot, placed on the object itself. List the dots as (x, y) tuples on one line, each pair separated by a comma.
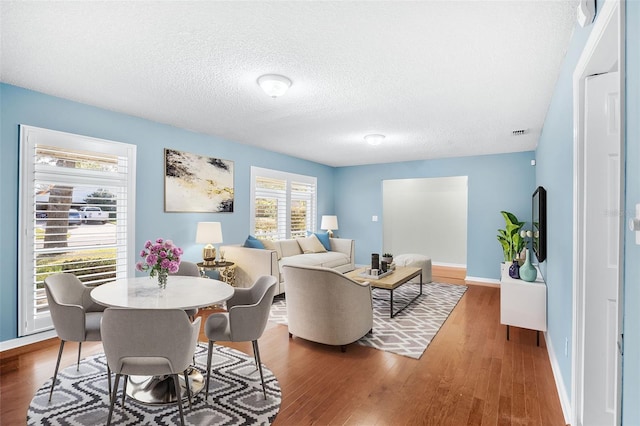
[(76, 318), (245, 320), (189, 269), (149, 342)]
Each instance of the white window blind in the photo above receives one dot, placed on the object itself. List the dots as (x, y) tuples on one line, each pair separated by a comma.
[(76, 215), (283, 204)]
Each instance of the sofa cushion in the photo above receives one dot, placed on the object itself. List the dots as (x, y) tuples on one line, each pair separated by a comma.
[(253, 242), (289, 247), (311, 244), (324, 239), (329, 259), (272, 245)]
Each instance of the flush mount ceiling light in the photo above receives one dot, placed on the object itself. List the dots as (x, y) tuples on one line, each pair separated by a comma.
[(274, 85), (374, 139)]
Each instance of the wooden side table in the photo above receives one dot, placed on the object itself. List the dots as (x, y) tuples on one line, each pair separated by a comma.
[(226, 269)]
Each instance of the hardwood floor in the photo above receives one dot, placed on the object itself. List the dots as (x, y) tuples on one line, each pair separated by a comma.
[(469, 375)]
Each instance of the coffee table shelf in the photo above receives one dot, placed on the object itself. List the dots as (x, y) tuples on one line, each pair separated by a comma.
[(401, 275)]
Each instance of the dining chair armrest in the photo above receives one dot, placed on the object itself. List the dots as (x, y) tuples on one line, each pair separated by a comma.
[(241, 296), (69, 321), (248, 322)]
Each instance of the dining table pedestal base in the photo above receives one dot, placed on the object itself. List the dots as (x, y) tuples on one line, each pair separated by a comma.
[(160, 390)]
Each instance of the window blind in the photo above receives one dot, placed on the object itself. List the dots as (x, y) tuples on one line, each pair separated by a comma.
[(284, 204), (76, 215)]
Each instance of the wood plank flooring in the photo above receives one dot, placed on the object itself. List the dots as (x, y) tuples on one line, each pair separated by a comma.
[(469, 375)]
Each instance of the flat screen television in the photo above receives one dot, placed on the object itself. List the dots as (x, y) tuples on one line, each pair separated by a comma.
[(539, 223)]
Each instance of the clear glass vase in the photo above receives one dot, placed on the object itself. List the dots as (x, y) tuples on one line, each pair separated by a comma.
[(162, 279)]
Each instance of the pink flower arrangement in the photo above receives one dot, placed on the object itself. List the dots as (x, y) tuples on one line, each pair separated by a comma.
[(161, 257)]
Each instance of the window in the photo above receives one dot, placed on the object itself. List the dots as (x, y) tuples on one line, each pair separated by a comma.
[(283, 204), (77, 197)]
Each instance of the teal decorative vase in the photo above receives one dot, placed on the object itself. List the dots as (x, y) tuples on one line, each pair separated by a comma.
[(527, 271)]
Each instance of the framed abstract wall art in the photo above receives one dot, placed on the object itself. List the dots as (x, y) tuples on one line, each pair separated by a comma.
[(196, 183)]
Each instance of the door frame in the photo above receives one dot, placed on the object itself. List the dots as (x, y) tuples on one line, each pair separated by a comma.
[(595, 59)]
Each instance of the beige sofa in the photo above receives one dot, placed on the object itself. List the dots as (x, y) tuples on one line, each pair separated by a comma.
[(327, 307), (252, 263)]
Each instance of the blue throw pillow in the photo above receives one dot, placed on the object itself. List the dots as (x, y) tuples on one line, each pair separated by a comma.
[(324, 239), (253, 242)]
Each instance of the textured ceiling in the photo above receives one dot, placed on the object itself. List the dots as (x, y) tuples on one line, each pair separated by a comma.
[(438, 78)]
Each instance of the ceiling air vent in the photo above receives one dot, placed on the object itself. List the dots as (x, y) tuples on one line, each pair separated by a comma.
[(519, 132)]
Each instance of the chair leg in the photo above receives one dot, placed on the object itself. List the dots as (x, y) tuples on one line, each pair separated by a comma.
[(124, 388), (55, 373), (177, 385), (113, 399), (186, 383), (206, 385), (79, 350), (109, 378), (256, 352), (255, 359)]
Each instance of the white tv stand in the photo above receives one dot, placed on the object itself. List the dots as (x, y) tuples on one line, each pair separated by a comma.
[(523, 304)]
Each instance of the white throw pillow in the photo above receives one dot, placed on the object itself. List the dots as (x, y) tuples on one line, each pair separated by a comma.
[(270, 245), (311, 244)]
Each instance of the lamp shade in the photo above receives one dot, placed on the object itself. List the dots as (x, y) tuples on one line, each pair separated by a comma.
[(329, 222), (209, 233)]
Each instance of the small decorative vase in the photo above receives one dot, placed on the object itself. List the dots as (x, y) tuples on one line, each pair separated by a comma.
[(162, 279), (514, 269), (527, 271)]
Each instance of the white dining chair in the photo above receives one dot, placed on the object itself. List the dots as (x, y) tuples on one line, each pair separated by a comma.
[(76, 318), (245, 320), (149, 342)]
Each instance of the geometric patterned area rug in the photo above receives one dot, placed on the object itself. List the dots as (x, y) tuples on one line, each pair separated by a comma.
[(235, 396), (409, 332)]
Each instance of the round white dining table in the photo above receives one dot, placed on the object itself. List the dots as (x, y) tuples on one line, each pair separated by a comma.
[(182, 292)]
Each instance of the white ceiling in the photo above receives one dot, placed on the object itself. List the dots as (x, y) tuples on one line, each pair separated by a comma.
[(438, 78)]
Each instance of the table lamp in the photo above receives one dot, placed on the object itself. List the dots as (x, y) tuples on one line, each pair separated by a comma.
[(329, 222), (209, 233)]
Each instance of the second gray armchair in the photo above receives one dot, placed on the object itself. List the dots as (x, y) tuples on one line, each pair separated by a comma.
[(149, 342), (246, 319), (76, 318)]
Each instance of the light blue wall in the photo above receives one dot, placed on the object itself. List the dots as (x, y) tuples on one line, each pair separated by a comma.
[(631, 363), (20, 106), (496, 182), (554, 172)]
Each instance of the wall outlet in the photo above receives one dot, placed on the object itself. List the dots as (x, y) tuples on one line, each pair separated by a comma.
[(374, 218), (566, 346)]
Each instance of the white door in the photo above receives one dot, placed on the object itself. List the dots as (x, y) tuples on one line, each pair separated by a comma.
[(601, 250)]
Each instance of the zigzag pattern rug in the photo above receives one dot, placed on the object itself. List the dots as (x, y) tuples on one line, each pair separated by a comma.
[(235, 396), (409, 332)]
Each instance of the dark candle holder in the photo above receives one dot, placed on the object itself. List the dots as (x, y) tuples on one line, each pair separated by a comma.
[(375, 261)]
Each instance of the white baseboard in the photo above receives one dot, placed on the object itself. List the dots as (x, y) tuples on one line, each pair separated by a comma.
[(450, 265), (560, 386), (491, 282), (26, 340)]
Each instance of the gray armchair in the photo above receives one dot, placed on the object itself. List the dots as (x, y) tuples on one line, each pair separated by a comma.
[(245, 320), (76, 318), (189, 269), (149, 342), (327, 307)]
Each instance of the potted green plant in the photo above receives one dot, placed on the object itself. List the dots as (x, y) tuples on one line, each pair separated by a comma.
[(510, 240)]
